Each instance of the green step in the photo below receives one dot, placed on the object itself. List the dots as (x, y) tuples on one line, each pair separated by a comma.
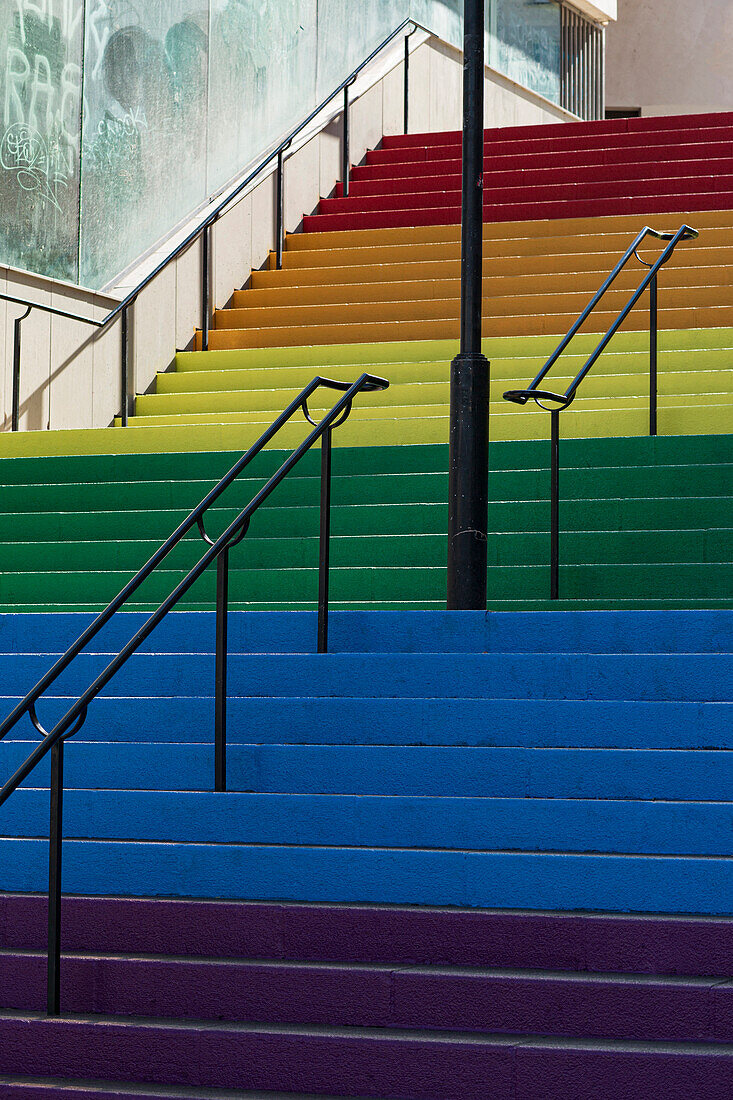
[(505, 548)]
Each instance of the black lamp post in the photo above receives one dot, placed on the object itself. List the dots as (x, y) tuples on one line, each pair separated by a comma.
[(469, 380)]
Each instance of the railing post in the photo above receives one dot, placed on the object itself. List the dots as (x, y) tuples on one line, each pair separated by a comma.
[(15, 416), (54, 880), (654, 352), (469, 377), (345, 152), (324, 557), (280, 213), (555, 504), (205, 288), (407, 82), (125, 375), (222, 647)]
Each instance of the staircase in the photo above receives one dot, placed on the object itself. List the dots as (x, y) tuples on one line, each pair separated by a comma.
[(517, 762), (462, 854)]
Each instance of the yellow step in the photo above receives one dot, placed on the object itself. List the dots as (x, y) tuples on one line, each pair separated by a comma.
[(501, 287), (448, 328), (372, 265)]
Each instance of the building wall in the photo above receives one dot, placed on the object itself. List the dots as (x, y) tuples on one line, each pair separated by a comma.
[(72, 380), (671, 56)]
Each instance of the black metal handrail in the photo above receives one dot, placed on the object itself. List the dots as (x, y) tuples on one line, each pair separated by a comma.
[(203, 230), (218, 549), (562, 401)]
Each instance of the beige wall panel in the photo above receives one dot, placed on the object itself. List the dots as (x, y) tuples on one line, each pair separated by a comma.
[(330, 156), (302, 184), (670, 56), (446, 88), (36, 350), (188, 315), (393, 101), (263, 221), (153, 331), (420, 89), (366, 123), (232, 253), (72, 373), (107, 388)]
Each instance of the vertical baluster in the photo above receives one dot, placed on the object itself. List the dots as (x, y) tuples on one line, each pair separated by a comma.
[(205, 288), (653, 354), (54, 880), (280, 212), (555, 504), (15, 415), (345, 152), (325, 542), (124, 374), (407, 84), (222, 647)]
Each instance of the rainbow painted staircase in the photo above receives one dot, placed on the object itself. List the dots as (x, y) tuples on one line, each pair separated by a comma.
[(480, 855)]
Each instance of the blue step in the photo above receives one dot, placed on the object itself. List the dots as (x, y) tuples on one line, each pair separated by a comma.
[(577, 825), (390, 631), (552, 760), (542, 723), (569, 675)]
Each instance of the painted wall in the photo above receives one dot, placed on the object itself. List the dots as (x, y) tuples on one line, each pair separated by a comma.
[(671, 56)]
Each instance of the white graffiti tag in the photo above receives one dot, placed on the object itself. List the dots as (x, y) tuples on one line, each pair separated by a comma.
[(24, 152)]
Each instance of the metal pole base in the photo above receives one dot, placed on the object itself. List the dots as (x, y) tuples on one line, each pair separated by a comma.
[(468, 490)]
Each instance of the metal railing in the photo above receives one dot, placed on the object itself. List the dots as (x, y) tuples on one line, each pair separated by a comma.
[(582, 65), (203, 230), (564, 400), (218, 550)]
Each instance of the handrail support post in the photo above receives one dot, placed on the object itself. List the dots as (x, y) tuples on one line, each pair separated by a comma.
[(222, 647), (324, 557), (555, 504), (280, 212), (346, 151), (205, 287), (125, 366), (54, 880), (407, 84), (15, 415), (653, 353)]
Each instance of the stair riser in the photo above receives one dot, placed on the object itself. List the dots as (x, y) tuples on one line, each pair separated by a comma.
[(606, 676), (360, 998), (469, 722), (388, 771), (504, 880), (413, 936), (468, 824)]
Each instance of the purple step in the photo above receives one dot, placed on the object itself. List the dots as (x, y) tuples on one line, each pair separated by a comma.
[(357, 1062), (443, 999), (378, 934)]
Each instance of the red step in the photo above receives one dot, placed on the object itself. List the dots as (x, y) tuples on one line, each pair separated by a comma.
[(528, 159), (567, 192), (575, 208), (368, 181)]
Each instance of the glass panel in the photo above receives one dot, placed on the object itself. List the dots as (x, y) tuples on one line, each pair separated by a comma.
[(263, 79), (443, 17), (40, 86), (348, 31), (144, 134), (525, 43)]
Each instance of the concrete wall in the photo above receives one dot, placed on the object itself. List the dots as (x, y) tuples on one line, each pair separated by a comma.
[(72, 379), (671, 56)]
